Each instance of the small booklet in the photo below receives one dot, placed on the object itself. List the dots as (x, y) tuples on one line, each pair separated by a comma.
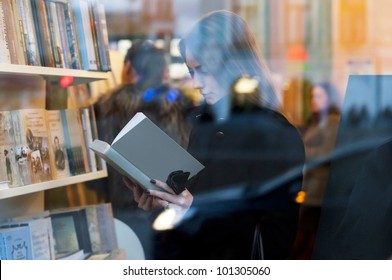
[(142, 151)]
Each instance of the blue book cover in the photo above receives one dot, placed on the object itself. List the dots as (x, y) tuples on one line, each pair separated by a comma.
[(15, 243)]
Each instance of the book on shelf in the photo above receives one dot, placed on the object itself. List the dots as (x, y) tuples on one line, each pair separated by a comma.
[(97, 13), (32, 145), (107, 228), (54, 33), (93, 27), (70, 230), (43, 34), (9, 171), (57, 147), (65, 45), (41, 234), (20, 32), (101, 227), (31, 43), (75, 142), (15, 243), (11, 39), (4, 48), (101, 163), (84, 33), (73, 41), (88, 135), (142, 151)]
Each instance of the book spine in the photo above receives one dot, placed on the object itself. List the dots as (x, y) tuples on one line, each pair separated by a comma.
[(4, 49), (84, 142), (53, 33), (89, 137), (11, 32), (73, 40), (83, 232), (101, 34), (101, 164), (32, 50), (93, 226), (49, 228), (93, 27), (82, 19), (20, 33), (106, 227), (63, 35), (42, 30), (68, 144), (76, 144)]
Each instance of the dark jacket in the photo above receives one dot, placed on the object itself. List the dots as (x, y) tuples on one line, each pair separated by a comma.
[(112, 113), (243, 155)]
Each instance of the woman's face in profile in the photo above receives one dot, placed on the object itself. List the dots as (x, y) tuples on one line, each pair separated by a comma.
[(203, 80), (320, 100)]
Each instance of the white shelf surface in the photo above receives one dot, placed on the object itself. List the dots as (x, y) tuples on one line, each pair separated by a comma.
[(52, 74), (12, 192)]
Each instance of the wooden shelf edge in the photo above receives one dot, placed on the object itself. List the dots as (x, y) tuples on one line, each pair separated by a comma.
[(13, 192)]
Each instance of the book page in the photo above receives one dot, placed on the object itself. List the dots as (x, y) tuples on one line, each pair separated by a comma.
[(130, 125)]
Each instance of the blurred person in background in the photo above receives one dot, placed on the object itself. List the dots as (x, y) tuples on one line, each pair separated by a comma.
[(145, 88), (319, 136), (248, 149)]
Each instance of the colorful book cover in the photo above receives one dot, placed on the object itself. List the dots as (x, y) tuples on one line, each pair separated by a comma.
[(57, 148), (32, 145)]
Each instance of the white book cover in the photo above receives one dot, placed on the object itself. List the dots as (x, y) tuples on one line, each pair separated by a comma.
[(40, 227), (142, 151)]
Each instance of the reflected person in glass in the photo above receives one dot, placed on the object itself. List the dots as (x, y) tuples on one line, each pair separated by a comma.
[(248, 149)]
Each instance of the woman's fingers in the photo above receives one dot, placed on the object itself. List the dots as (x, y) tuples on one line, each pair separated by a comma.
[(162, 185), (184, 199)]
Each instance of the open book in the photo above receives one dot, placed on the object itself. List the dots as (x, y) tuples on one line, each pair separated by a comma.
[(142, 151)]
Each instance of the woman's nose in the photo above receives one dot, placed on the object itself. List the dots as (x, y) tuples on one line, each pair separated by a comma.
[(197, 81)]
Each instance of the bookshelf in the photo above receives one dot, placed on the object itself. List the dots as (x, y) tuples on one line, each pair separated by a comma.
[(12, 192), (29, 86), (30, 198), (52, 75)]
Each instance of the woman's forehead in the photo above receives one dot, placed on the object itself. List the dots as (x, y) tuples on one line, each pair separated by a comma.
[(191, 60)]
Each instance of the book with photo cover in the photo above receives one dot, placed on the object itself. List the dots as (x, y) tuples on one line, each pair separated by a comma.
[(32, 147), (142, 151)]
